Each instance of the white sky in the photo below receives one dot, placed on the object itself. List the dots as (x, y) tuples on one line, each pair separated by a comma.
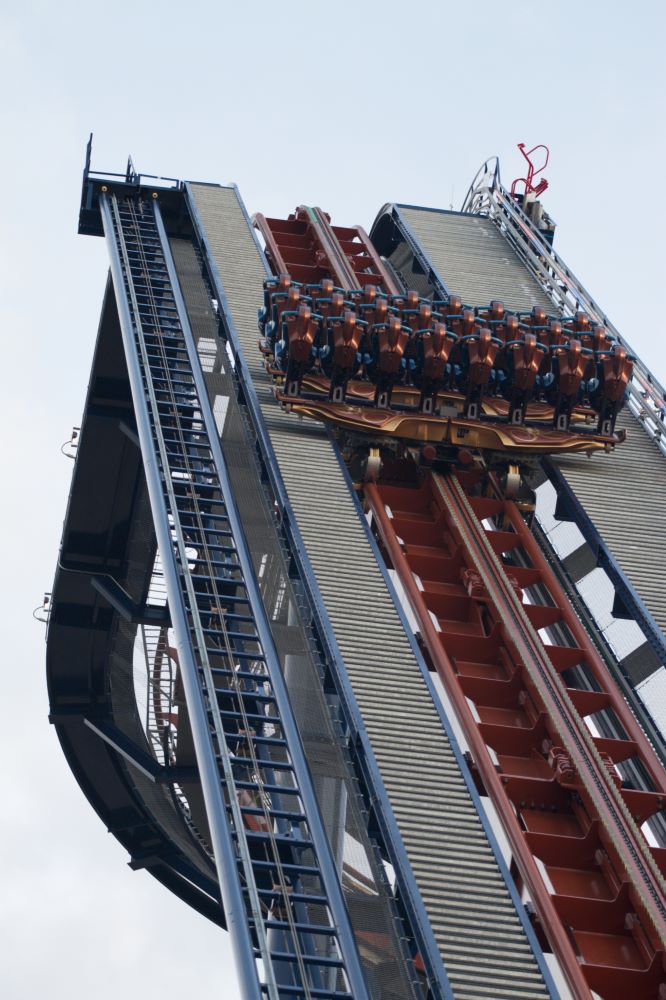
[(346, 106)]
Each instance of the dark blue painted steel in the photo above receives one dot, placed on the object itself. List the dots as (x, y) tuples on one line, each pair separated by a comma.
[(178, 436), (608, 562), (291, 734), (221, 836), (403, 226)]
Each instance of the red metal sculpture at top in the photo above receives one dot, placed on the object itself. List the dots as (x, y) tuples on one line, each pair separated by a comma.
[(532, 172)]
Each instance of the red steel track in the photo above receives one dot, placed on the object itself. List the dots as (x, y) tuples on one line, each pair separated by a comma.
[(484, 598), (309, 249)]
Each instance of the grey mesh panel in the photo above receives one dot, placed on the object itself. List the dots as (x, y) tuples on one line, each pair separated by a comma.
[(474, 260)]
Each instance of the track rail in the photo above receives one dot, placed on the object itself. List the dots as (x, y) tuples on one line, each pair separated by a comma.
[(308, 248), (466, 564)]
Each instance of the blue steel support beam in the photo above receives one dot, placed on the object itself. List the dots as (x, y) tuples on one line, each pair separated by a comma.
[(330, 876), (231, 891), (607, 561), (138, 758), (119, 599)]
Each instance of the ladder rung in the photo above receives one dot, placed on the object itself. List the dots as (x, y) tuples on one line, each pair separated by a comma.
[(188, 451), (216, 563), (243, 636), (204, 578), (165, 348), (174, 376), (227, 614), (293, 817), (231, 600), (278, 838), (245, 675), (219, 533), (200, 438), (211, 516), (274, 765), (267, 699), (301, 928), (287, 867), (223, 583), (287, 956), (242, 674), (317, 993), (228, 713), (294, 897), (181, 406), (266, 740), (199, 486), (278, 789), (240, 655)]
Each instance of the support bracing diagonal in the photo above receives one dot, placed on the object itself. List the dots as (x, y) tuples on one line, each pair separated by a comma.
[(282, 898)]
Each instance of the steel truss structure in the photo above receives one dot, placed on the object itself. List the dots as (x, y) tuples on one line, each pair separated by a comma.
[(314, 674)]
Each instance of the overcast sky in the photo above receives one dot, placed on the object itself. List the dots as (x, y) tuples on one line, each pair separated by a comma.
[(346, 106)]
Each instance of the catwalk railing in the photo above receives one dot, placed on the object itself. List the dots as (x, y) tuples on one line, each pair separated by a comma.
[(487, 196), (280, 889)]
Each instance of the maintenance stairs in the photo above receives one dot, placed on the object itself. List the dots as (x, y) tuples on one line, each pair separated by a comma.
[(280, 889)]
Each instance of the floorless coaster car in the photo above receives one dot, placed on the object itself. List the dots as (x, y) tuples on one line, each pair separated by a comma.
[(444, 433), (558, 380), (408, 397)]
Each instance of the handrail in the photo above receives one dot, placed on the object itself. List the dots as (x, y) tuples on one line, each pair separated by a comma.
[(487, 196)]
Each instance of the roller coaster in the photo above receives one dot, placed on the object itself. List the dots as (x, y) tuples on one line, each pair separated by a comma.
[(312, 653)]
